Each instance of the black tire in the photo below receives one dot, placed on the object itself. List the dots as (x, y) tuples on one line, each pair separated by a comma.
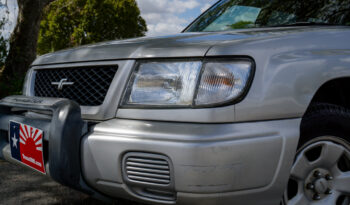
[(325, 122)]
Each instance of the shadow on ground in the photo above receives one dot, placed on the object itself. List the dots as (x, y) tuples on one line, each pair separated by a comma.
[(20, 185)]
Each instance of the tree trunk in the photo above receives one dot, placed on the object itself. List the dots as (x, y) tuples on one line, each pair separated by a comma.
[(23, 41)]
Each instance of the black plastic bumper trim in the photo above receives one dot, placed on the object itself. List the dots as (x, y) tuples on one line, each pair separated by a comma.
[(63, 132)]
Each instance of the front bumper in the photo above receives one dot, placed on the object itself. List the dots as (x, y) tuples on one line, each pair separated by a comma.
[(63, 129), (242, 163)]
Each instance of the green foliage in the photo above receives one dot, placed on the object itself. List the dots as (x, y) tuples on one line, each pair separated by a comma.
[(69, 23), (3, 45), (6, 88), (14, 87), (241, 25)]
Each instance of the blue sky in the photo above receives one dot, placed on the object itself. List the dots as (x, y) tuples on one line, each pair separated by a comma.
[(171, 16), (163, 17)]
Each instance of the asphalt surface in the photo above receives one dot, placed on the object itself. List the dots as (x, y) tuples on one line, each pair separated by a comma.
[(20, 185)]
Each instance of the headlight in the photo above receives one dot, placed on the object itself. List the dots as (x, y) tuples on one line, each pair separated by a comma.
[(187, 83), (168, 83)]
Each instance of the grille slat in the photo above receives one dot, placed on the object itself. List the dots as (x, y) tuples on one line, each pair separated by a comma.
[(154, 169), (148, 175), (160, 162), (153, 166), (147, 170), (90, 86), (146, 179)]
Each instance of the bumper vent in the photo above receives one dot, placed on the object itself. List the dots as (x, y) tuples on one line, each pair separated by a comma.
[(147, 169), (88, 86)]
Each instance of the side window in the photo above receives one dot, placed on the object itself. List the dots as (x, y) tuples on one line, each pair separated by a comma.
[(278, 18)]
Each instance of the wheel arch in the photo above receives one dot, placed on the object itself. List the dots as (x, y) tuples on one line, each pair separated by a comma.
[(333, 92)]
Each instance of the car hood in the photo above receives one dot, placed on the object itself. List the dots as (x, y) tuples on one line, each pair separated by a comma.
[(180, 45)]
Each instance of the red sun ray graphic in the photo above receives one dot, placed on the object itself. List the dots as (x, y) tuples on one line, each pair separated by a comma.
[(31, 146)]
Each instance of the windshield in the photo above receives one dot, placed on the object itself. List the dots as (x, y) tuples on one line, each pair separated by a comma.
[(241, 14)]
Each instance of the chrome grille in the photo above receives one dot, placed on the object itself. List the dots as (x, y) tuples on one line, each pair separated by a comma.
[(89, 88), (147, 168)]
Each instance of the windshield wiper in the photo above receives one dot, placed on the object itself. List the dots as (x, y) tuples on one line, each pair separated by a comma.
[(305, 24)]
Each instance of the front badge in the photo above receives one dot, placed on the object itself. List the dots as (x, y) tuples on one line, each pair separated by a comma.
[(26, 144)]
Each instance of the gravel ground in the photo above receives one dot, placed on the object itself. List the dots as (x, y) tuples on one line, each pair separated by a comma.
[(22, 186)]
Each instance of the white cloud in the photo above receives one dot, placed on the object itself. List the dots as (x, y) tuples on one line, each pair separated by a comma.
[(205, 7), (166, 6), (163, 23), (178, 6), (168, 16)]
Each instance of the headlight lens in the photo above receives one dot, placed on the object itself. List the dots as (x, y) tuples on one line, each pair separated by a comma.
[(168, 83), (181, 84)]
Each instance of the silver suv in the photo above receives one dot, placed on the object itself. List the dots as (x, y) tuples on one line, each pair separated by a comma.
[(249, 105)]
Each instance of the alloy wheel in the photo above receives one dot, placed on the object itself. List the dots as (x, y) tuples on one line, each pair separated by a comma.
[(320, 174)]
